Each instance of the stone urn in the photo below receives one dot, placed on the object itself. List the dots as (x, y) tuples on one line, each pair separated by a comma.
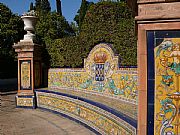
[(29, 20)]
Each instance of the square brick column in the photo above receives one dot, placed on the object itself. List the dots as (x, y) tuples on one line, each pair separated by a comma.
[(29, 72)]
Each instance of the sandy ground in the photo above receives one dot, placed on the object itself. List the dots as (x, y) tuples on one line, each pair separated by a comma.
[(15, 121)]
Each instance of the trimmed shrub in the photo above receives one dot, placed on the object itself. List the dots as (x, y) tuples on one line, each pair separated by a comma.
[(108, 22)]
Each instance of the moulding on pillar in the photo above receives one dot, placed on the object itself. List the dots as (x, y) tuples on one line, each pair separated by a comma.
[(154, 1), (24, 48), (150, 11)]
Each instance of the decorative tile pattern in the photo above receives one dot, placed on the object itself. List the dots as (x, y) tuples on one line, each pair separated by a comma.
[(25, 101), (122, 105), (100, 74), (25, 72), (102, 121), (167, 89)]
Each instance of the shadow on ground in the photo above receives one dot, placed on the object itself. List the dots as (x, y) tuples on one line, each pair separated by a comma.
[(17, 121)]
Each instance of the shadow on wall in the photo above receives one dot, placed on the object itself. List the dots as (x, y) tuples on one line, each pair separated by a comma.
[(8, 68), (8, 85), (8, 74), (44, 75), (45, 67)]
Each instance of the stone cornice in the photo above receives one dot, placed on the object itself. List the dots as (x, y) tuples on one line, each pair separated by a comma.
[(27, 46), (155, 1), (166, 11)]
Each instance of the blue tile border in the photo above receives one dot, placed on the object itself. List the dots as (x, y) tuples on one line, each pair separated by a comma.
[(26, 96), (26, 107), (122, 116), (150, 82), (71, 118)]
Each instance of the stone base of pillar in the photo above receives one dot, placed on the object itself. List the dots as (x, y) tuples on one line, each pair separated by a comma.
[(26, 101)]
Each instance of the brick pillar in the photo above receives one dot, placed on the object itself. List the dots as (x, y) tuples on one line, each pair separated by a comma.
[(29, 72), (29, 64), (153, 15)]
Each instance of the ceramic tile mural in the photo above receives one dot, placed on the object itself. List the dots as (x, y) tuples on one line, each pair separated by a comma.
[(25, 101), (167, 87), (100, 74), (25, 74), (101, 77), (100, 120)]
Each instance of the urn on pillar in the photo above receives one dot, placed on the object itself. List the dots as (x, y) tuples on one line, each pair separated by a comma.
[(29, 20), (29, 63)]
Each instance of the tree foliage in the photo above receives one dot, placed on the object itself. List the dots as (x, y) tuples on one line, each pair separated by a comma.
[(31, 6), (66, 52), (112, 22), (45, 6), (58, 7), (82, 12), (109, 22), (37, 5), (11, 31), (42, 7), (50, 26)]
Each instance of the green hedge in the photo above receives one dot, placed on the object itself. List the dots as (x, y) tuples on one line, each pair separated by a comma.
[(108, 22)]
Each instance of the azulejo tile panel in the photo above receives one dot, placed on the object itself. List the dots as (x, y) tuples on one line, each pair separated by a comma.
[(97, 118), (25, 74), (100, 74), (25, 101), (167, 87), (125, 107)]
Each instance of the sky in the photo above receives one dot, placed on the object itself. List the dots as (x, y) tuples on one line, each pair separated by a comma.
[(69, 7)]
